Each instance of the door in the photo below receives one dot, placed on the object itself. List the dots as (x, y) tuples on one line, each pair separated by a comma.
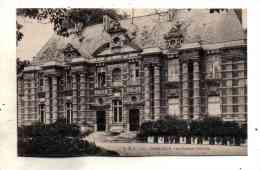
[(134, 119), (101, 120)]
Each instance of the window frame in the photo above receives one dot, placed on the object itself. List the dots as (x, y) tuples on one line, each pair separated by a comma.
[(117, 107)]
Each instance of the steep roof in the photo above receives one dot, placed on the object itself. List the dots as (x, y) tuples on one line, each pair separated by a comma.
[(198, 25)]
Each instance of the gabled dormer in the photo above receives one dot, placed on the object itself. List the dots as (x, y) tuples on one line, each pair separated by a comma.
[(119, 42), (118, 34)]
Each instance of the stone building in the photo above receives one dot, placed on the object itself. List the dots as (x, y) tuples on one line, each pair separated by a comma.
[(187, 64)]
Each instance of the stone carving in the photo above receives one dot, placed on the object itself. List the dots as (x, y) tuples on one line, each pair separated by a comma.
[(174, 38), (115, 27)]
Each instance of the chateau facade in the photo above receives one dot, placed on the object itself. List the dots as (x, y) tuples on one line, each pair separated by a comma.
[(187, 64)]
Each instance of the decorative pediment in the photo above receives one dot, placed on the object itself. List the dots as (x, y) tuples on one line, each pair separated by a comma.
[(174, 38), (70, 52)]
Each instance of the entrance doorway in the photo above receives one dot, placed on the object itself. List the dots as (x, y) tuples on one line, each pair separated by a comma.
[(134, 119), (101, 120)]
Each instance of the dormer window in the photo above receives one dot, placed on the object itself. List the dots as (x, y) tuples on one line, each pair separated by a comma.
[(174, 38)]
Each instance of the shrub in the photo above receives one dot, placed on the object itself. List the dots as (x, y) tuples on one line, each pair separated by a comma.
[(56, 140)]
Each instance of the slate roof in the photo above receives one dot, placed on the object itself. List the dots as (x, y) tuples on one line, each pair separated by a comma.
[(198, 26)]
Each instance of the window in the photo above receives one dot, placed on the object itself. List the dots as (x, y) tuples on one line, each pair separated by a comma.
[(69, 115), (235, 82), (235, 108), (68, 80), (173, 70), (133, 99), (214, 106), (213, 67), (117, 110), (174, 106), (116, 76), (42, 113), (224, 109), (100, 101), (41, 83), (101, 79), (134, 71), (235, 100), (235, 91), (235, 74)]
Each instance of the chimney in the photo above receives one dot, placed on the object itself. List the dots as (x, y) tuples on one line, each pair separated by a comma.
[(106, 22), (132, 15)]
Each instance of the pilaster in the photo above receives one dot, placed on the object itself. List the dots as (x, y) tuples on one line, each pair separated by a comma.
[(54, 98), (47, 99), (74, 98), (156, 92), (185, 91), (196, 90), (146, 93)]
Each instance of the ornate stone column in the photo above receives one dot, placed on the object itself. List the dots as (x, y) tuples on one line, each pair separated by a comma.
[(74, 98), (19, 102), (185, 91), (83, 96), (156, 92), (146, 93), (26, 112), (47, 99), (34, 98), (196, 90), (54, 98)]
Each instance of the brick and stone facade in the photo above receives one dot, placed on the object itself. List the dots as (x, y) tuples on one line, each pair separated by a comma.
[(135, 74)]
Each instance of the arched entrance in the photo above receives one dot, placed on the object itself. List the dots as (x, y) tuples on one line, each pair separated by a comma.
[(101, 120), (134, 119)]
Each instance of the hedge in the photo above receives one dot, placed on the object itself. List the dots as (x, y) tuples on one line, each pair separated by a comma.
[(208, 127)]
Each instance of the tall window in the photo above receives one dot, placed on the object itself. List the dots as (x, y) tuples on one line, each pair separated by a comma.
[(42, 113), (174, 106), (41, 82), (214, 106), (69, 115), (68, 80), (116, 76), (213, 68), (134, 71), (173, 70), (101, 79), (117, 110)]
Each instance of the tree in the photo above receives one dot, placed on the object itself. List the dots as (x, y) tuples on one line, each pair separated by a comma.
[(66, 21)]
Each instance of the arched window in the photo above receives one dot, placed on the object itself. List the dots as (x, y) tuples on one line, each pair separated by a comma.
[(116, 76)]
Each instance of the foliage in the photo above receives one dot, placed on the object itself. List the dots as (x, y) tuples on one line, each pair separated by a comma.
[(21, 64), (19, 34), (56, 140)]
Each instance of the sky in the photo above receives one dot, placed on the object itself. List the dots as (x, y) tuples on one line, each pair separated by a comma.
[(36, 34)]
